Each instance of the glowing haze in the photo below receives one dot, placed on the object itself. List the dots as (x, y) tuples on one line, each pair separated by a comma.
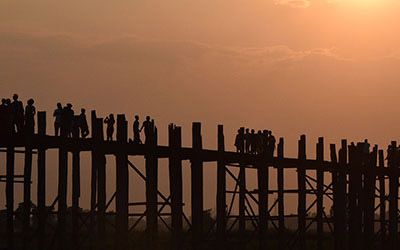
[(324, 68)]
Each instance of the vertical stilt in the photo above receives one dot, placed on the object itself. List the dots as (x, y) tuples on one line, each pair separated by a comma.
[(341, 204), (27, 193), (335, 188), (93, 180), (320, 193), (175, 184), (393, 201), (10, 196), (382, 201), (369, 198), (76, 189), (197, 187), (122, 181), (281, 198), (242, 200), (62, 197), (41, 184), (301, 182), (221, 190), (99, 170), (151, 190), (262, 176)]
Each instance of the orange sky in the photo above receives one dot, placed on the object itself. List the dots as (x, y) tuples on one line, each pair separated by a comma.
[(324, 68)]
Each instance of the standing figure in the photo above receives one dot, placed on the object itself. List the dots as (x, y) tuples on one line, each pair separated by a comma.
[(83, 125), (253, 138), (57, 114), (67, 119), (18, 114), (30, 112), (271, 144), (247, 140), (136, 131), (110, 121), (3, 118), (147, 125), (239, 141)]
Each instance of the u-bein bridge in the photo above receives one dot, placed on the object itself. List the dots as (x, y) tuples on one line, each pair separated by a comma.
[(358, 190)]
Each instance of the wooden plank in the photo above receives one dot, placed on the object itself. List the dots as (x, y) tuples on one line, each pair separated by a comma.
[(281, 198), (122, 185), (10, 160), (301, 182), (197, 187), (221, 191), (175, 184), (151, 190), (76, 189), (27, 194), (382, 203), (341, 207), (393, 201), (262, 177), (41, 183), (62, 198), (335, 189), (320, 194)]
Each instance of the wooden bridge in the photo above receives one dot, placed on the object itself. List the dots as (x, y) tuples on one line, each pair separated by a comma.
[(361, 188)]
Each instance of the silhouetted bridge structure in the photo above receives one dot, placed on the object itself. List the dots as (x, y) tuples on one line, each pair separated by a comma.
[(361, 188)]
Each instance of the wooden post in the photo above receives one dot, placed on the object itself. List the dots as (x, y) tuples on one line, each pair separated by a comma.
[(281, 199), (151, 190), (10, 157), (301, 182), (41, 183), (382, 201), (62, 196), (393, 201), (175, 185), (335, 174), (262, 176), (76, 189), (369, 198), (122, 183), (99, 178), (93, 178), (27, 192), (221, 190), (242, 200), (320, 193), (355, 185), (339, 195), (197, 187)]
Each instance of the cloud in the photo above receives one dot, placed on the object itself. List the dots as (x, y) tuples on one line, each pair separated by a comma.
[(294, 3)]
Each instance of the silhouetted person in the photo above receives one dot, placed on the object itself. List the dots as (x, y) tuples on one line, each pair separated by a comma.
[(136, 131), (247, 140), (239, 140), (30, 112), (3, 118), (57, 114), (271, 144), (258, 142), (110, 121), (253, 138), (366, 147), (67, 118), (17, 114), (147, 126), (83, 125)]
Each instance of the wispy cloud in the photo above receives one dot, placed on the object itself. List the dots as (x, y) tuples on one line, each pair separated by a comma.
[(294, 3)]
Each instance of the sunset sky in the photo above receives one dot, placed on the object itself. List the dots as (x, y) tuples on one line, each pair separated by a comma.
[(320, 67)]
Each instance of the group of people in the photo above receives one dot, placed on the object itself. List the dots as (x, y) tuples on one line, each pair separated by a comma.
[(248, 141), (66, 123), (148, 127), (16, 119)]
